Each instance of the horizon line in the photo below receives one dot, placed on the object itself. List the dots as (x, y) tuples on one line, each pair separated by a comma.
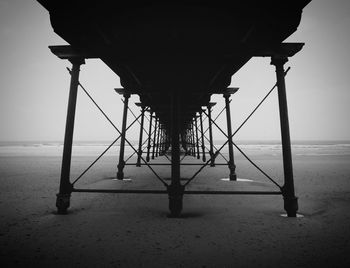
[(238, 140)]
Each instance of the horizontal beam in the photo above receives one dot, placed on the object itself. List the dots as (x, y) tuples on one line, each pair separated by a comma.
[(119, 191), (230, 90), (168, 164), (68, 52), (235, 192), (284, 49)]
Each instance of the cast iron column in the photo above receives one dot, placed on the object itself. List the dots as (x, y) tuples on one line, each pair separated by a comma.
[(63, 197), (197, 139), (149, 137), (167, 140), (158, 135), (121, 165), (193, 152), (161, 142), (138, 163), (211, 151), (290, 200), (183, 137), (154, 136), (175, 189), (164, 137), (164, 141), (194, 140), (202, 134), (231, 163), (188, 141)]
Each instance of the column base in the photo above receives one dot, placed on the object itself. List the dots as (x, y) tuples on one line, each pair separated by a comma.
[(62, 203), (233, 177), (232, 168), (212, 162), (175, 193), (291, 206), (120, 175)]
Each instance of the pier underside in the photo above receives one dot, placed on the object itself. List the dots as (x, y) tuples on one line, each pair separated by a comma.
[(175, 55)]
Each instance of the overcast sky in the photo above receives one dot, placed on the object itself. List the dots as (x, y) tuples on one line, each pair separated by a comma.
[(34, 83)]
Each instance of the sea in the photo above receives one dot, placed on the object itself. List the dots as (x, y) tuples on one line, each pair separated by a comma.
[(92, 148)]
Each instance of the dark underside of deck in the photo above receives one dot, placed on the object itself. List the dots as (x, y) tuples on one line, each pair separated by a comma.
[(191, 47)]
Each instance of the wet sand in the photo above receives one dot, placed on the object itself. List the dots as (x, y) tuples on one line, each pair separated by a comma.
[(110, 230)]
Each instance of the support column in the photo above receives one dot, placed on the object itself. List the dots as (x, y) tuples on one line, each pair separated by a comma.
[(167, 140), (183, 141), (290, 200), (192, 151), (121, 165), (154, 136), (158, 135), (164, 142), (211, 151), (202, 135), (197, 139), (161, 142), (175, 189), (194, 142), (138, 163), (231, 163), (149, 137), (188, 142), (65, 190)]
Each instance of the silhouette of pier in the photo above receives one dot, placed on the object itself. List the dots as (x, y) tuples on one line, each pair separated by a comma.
[(175, 56)]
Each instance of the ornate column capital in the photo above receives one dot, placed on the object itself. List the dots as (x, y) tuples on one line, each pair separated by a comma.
[(278, 60)]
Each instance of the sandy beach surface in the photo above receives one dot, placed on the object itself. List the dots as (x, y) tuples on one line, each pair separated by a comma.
[(129, 230)]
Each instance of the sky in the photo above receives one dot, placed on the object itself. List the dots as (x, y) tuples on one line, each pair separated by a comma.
[(34, 83)]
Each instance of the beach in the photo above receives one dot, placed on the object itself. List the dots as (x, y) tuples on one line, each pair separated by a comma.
[(133, 230)]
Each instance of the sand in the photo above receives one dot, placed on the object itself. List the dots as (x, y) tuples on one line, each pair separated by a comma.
[(110, 230)]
